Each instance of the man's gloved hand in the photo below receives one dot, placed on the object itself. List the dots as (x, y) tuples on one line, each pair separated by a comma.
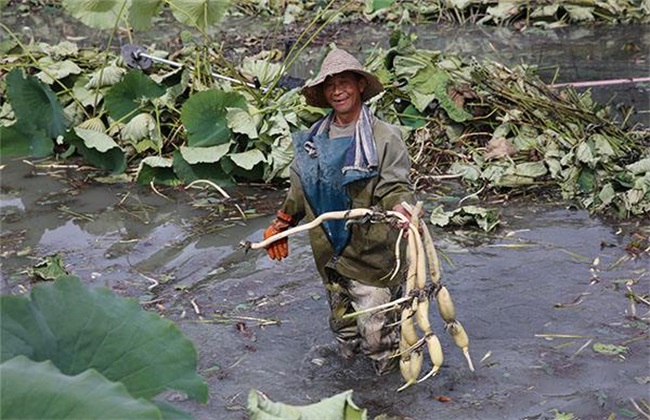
[(280, 248), (407, 210)]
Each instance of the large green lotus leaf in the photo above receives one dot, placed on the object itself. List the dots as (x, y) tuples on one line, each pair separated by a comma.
[(247, 160), (38, 390), (24, 140), (338, 407), (281, 157), (130, 95), (98, 149), (210, 154), (169, 412), (586, 180), (142, 11), (80, 328), (432, 80), (204, 117), (237, 172), (199, 13), (34, 102), (157, 170), (240, 121), (100, 14), (191, 172)]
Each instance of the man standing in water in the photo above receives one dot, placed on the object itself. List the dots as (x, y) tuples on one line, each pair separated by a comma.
[(349, 159)]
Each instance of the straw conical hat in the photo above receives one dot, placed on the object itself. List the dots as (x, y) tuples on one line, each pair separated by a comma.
[(336, 62)]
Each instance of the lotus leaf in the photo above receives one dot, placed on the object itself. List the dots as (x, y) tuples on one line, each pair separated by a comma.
[(34, 103), (586, 180), (210, 171), (49, 268), (610, 349), (199, 13), (97, 14), (157, 169), (432, 80), (545, 11), (22, 139), (607, 194), (504, 10), (204, 117), (131, 95), (98, 149), (60, 50), (79, 328), (281, 158), (640, 167), (247, 160), (338, 407), (531, 169), (105, 76), (52, 71), (579, 14), (38, 390), (240, 121), (486, 219), (212, 154), (265, 71), (142, 126), (141, 12), (373, 6)]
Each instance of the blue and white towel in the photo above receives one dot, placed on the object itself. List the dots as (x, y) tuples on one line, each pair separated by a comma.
[(362, 156)]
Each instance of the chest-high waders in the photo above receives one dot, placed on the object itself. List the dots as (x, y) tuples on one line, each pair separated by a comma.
[(319, 162)]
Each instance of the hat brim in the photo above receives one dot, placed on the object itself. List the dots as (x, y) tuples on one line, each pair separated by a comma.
[(313, 89)]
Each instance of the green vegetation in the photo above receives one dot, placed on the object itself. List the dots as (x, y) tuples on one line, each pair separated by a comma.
[(496, 129), (87, 353), (517, 13)]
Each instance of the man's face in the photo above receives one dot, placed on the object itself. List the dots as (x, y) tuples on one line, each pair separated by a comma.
[(343, 93)]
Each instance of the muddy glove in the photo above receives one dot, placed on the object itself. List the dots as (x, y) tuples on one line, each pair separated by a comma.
[(280, 248), (407, 209)]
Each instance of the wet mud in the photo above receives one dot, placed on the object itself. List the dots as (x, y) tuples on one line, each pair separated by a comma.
[(535, 297)]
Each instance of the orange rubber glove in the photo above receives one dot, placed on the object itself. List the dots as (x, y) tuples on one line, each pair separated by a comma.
[(401, 209), (280, 248)]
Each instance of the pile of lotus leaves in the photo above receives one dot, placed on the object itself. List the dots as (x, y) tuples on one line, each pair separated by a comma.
[(521, 13), (493, 127)]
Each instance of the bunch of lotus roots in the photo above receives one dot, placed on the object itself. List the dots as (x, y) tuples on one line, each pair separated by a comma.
[(422, 259)]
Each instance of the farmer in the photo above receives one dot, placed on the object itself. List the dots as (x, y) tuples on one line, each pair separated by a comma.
[(349, 159)]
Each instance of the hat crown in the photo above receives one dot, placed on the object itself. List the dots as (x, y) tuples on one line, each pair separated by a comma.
[(338, 61)]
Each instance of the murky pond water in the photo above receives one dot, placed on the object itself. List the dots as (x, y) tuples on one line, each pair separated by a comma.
[(530, 296)]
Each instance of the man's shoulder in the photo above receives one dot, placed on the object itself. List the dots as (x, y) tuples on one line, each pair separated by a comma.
[(382, 128)]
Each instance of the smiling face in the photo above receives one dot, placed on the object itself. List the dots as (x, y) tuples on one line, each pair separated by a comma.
[(343, 93)]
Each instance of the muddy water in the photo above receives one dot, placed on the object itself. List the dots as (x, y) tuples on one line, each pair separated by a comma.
[(529, 296)]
